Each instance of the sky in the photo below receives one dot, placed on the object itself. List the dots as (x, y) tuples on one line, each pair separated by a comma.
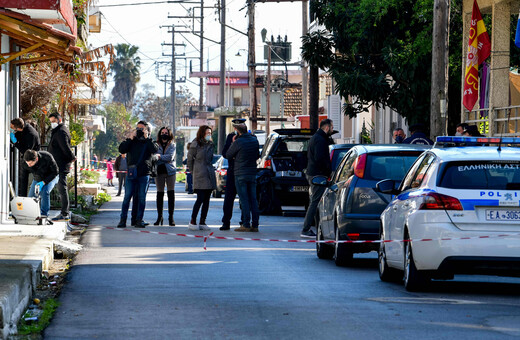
[(140, 25)]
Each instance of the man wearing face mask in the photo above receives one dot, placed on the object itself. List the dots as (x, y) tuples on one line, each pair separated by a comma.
[(460, 129), (60, 149), (139, 151), (318, 165)]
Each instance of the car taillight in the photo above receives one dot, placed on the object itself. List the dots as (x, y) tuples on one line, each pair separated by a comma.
[(353, 236), (359, 165), (267, 164), (436, 201)]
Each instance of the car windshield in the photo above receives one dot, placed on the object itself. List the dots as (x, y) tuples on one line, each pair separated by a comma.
[(481, 175), (390, 165)]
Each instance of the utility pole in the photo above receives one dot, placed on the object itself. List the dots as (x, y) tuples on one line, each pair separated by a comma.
[(305, 78), (222, 52), (201, 81), (251, 60), (440, 65), (173, 95), (268, 89)]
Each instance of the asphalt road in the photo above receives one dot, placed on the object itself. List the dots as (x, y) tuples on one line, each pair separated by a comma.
[(129, 285)]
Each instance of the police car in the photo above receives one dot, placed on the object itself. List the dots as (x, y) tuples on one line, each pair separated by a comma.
[(457, 211)]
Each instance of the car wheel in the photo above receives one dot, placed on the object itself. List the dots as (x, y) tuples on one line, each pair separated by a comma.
[(267, 203), (343, 255), (324, 251), (386, 273), (414, 280)]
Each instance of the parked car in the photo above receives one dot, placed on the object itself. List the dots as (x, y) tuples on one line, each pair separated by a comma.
[(350, 208), (337, 152), (221, 167), (281, 179), (462, 199)]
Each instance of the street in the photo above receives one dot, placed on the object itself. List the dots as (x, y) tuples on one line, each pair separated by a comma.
[(133, 285)]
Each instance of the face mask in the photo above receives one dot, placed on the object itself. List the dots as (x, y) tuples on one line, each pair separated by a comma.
[(458, 134), (139, 133), (208, 138), (54, 125), (165, 137), (398, 139)]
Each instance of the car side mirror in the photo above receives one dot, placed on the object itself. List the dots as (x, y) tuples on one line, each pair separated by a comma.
[(321, 181), (387, 186)]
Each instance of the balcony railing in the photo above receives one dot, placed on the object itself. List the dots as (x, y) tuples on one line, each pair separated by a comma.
[(503, 121)]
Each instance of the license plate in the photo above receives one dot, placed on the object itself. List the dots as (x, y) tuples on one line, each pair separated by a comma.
[(299, 188), (503, 215)]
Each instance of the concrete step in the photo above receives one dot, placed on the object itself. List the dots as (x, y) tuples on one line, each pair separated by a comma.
[(15, 293)]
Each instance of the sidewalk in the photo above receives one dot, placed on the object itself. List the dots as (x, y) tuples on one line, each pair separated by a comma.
[(25, 251)]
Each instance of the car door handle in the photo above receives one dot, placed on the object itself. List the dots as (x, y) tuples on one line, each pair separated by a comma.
[(406, 205), (395, 207)]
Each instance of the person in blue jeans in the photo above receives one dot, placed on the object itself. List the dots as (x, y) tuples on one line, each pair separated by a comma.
[(139, 151), (244, 152), (45, 172)]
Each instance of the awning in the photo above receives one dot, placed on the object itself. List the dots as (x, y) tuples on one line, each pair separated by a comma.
[(43, 41)]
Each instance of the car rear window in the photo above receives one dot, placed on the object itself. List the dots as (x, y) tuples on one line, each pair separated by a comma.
[(337, 156), (481, 175), (389, 165), (292, 145)]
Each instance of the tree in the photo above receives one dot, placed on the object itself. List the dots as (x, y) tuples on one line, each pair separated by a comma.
[(156, 110), (126, 68), (378, 52), (119, 125)]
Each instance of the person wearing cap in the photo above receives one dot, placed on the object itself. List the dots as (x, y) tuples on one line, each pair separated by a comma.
[(231, 190), (244, 150), (418, 136)]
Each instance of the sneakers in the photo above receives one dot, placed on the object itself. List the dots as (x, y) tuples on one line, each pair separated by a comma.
[(204, 226), (193, 226), (242, 228), (61, 217), (308, 234), (254, 230)]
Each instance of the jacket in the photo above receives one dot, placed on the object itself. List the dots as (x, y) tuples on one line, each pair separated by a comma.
[(200, 164), (318, 155), (244, 151), (418, 138), (167, 157), (231, 162), (133, 149), (117, 164), (27, 139), (59, 147), (45, 170)]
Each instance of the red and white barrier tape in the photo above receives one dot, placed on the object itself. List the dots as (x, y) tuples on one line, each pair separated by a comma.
[(211, 235)]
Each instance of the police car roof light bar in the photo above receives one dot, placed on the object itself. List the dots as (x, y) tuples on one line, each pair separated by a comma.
[(485, 140)]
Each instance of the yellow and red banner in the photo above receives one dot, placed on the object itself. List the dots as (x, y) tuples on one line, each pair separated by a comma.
[(479, 49)]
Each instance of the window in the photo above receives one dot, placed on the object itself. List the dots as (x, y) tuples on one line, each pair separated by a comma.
[(347, 171), (389, 165), (481, 175), (417, 174)]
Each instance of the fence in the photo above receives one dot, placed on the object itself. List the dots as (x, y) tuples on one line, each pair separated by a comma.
[(504, 121)]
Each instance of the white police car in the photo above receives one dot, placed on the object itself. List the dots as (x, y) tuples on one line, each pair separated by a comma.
[(459, 207)]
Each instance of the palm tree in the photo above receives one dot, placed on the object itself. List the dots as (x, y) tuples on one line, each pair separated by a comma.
[(126, 68)]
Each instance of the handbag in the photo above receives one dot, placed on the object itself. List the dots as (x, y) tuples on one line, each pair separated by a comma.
[(131, 173)]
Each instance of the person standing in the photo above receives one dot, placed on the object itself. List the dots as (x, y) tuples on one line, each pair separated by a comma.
[(60, 149), (399, 136), (418, 136), (166, 174), (318, 165), (459, 131), (45, 171), (231, 190), (200, 164), (244, 152), (140, 150), (110, 172), (23, 137), (120, 168), (189, 178)]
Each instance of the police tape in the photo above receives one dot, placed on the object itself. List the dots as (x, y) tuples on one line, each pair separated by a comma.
[(212, 236), (123, 171)]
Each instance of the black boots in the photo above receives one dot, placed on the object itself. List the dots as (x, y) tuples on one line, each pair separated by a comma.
[(160, 204), (171, 207), (122, 223)]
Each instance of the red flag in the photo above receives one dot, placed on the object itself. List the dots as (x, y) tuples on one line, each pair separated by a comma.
[(479, 49)]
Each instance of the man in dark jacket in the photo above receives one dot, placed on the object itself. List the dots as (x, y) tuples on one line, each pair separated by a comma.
[(318, 165), (45, 171), (23, 137), (60, 149), (120, 167), (139, 151), (244, 152), (418, 136), (231, 190)]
